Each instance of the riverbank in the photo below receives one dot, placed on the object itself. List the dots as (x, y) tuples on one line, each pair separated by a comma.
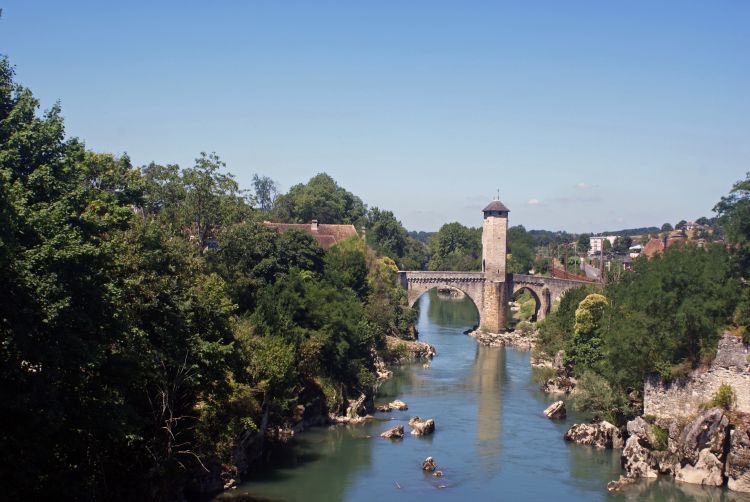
[(487, 411)]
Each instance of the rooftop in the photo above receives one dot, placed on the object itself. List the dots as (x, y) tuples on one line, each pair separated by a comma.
[(495, 205), (326, 234)]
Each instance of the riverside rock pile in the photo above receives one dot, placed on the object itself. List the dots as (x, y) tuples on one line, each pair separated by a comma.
[(711, 449)]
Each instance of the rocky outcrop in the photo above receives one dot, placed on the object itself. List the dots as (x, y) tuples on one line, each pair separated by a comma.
[(637, 460), (394, 433), (601, 435), (556, 411), (381, 369), (519, 339), (738, 460), (356, 412), (407, 350), (683, 397), (393, 405), (561, 384), (709, 450), (701, 449), (421, 427)]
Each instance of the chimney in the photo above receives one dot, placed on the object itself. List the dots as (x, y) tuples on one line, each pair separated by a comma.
[(314, 226), (363, 231)]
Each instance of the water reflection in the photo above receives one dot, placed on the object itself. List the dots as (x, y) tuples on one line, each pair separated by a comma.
[(488, 378), (491, 438), (449, 312)]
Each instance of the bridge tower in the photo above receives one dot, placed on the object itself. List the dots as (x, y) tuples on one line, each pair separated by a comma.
[(494, 254)]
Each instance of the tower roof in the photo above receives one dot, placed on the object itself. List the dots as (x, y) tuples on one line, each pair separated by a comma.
[(495, 205)]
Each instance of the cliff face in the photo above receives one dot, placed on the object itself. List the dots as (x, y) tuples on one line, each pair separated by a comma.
[(683, 397)]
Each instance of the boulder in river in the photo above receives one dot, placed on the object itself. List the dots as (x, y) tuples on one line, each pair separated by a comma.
[(394, 433), (602, 435), (421, 427), (555, 411), (393, 405), (429, 464)]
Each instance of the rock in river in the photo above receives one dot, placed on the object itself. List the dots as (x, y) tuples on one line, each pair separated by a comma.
[(555, 411), (394, 433), (421, 427), (602, 435), (429, 464)]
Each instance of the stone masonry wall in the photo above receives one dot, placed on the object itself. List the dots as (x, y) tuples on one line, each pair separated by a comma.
[(683, 396)]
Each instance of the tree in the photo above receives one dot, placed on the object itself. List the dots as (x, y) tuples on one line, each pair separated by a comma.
[(622, 244), (385, 233), (456, 247), (266, 191), (584, 350), (320, 199), (667, 227), (520, 249), (734, 217), (681, 225), (211, 197), (584, 243)]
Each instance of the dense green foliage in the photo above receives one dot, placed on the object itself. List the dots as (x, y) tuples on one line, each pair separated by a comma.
[(456, 247), (147, 320), (734, 218), (322, 199), (665, 317)]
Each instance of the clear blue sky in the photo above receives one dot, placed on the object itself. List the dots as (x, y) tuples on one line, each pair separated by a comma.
[(587, 115)]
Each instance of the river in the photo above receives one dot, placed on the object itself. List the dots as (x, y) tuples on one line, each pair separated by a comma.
[(491, 439)]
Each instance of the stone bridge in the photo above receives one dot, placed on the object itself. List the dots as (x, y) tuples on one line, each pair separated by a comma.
[(490, 298), (492, 288)]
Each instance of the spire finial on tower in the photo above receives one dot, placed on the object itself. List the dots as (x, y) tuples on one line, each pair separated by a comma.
[(498, 194)]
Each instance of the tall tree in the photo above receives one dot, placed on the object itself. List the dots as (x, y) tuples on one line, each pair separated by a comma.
[(266, 190), (211, 197)]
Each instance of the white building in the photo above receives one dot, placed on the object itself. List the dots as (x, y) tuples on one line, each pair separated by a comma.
[(597, 243)]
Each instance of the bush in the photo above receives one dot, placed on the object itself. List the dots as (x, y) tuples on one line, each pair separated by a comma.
[(594, 395), (725, 397), (525, 328), (542, 374), (661, 438)]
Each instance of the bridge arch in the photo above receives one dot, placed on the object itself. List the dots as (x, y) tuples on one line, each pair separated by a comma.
[(471, 295), (537, 300), (470, 283), (539, 291)]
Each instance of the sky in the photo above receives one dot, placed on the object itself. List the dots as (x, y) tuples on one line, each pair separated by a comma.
[(586, 115)]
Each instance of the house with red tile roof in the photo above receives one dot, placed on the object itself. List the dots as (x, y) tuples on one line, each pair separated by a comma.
[(326, 234)]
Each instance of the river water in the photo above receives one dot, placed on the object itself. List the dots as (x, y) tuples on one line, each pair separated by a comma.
[(491, 439)]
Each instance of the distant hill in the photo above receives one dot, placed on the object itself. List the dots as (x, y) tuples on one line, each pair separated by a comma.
[(632, 231)]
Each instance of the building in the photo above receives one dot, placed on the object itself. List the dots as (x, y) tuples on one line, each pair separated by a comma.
[(635, 251), (326, 234), (597, 243), (656, 246)]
